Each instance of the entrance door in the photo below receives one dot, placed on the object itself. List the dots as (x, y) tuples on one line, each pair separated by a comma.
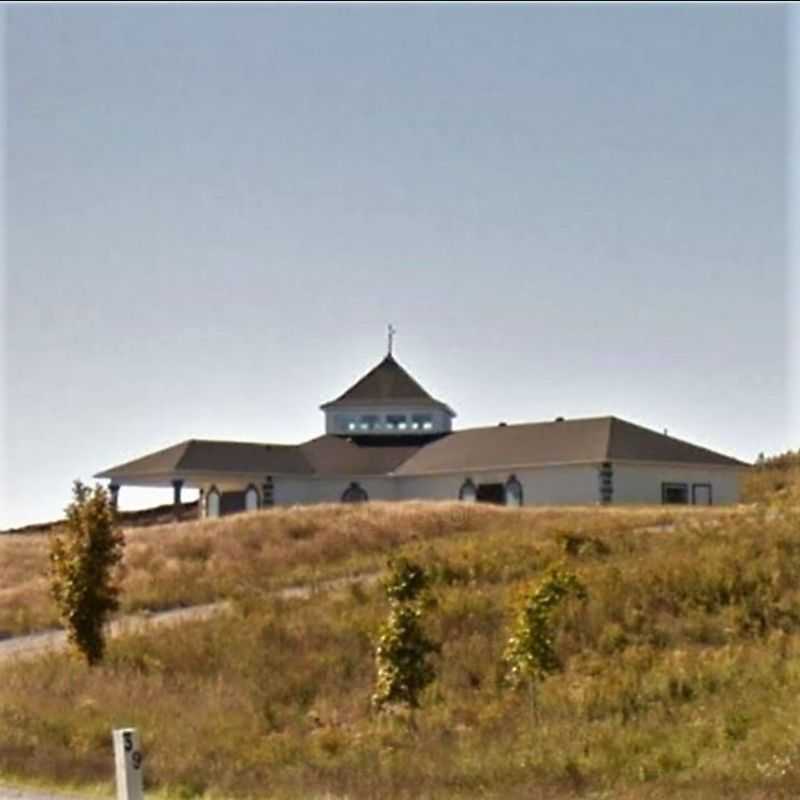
[(491, 493), (701, 494)]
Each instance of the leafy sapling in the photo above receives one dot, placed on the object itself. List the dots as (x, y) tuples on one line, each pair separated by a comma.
[(403, 650), (530, 651), (83, 569)]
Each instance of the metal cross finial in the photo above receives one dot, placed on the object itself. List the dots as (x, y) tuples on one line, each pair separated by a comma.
[(392, 332)]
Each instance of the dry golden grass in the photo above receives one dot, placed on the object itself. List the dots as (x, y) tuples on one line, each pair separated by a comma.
[(778, 475), (24, 601), (680, 678), (196, 562)]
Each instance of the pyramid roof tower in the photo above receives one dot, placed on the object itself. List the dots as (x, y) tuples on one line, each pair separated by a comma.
[(386, 384)]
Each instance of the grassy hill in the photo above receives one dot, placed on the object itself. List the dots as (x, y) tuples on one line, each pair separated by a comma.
[(771, 477), (681, 672)]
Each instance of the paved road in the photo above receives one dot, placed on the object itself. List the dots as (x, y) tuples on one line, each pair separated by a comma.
[(56, 639)]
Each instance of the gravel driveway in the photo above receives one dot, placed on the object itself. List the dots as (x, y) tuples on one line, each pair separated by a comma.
[(57, 639)]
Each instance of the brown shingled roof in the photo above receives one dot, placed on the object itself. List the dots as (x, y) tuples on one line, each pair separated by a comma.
[(387, 383), (335, 455), (629, 442), (198, 455), (592, 440), (325, 455), (513, 446)]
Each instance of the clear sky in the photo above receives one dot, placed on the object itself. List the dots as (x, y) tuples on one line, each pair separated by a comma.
[(212, 212)]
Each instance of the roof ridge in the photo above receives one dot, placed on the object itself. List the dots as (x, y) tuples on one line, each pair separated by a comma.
[(529, 424), (238, 441)]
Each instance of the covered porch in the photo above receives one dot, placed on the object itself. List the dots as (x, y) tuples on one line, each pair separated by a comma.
[(212, 469)]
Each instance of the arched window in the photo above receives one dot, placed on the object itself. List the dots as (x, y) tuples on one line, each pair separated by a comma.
[(212, 502), (467, 492), (513, 492), (354, 494), (251, 498)]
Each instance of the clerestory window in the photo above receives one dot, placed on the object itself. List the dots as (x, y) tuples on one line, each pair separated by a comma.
[(396, 422), (421, 422)]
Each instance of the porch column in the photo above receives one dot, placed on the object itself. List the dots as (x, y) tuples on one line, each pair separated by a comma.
[(177, 485), (113, 491)]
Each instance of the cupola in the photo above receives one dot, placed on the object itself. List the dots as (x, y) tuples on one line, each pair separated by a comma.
[(387, 402)]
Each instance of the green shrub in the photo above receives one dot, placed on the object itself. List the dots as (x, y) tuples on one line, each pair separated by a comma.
[(83, 561)]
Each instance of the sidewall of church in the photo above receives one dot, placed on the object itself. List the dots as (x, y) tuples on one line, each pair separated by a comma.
[(642, 483), (571, 484)]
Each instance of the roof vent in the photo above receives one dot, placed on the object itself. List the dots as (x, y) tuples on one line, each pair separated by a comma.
[(502, 424), (559, 419)]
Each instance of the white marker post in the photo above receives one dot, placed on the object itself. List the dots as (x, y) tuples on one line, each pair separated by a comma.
[(128, 762)]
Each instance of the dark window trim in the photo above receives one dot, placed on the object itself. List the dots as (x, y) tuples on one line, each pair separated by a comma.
[(468, 484), (355, 493), (708, 486), (674, 485), (268, 492), (514, 482)]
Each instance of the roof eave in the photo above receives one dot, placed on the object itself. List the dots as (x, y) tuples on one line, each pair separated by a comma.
[(410, 401)]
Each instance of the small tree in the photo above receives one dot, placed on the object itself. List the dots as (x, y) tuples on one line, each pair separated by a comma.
[(403, 650), (83, 562), (530, 651)]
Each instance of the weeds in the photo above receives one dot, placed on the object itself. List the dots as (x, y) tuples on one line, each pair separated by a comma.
[(679, 677)]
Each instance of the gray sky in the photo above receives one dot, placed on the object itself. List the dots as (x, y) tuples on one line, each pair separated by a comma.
[(211, 213)]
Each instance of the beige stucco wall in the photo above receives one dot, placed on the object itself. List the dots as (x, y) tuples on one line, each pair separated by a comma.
[(293, 491), (566, 484), (641, 483), (569, 484)]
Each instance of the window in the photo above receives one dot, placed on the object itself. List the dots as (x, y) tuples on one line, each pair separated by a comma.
[(674, 493), (396, 422), (421, 422), (268, 491), (251, 498), (212, 503), (491, 493), (467, 491), (513, 492), (354, 494), (368, 422), (606, 475)]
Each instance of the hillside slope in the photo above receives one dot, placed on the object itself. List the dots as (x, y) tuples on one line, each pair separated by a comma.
[(772, 477), (680, 672)]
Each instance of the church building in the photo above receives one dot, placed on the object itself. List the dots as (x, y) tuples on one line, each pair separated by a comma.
[(386, 438)]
